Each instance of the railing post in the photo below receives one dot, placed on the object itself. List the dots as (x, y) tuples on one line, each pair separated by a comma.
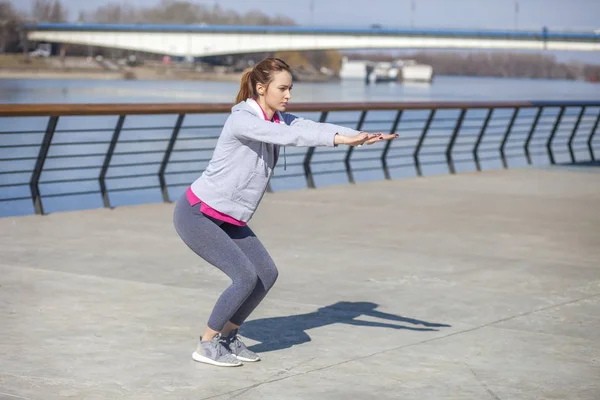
[(34, 183), (107, 158), (506, 135), (351, 148), (573, 133), (531, 131), (457, 127), (310, 182), (480, 137), (592, 133), (553, 133), (386, 149), (167, 157), (421, 139)]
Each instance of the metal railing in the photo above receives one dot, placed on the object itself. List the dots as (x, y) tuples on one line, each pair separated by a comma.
[(35, 164)]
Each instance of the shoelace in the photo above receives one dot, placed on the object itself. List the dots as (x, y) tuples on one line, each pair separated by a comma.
[(235, 340), (221, 350)]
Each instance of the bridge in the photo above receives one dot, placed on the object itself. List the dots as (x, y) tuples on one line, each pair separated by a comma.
[(211, 40)]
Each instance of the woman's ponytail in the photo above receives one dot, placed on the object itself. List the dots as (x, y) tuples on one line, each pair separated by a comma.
[(246, 87)]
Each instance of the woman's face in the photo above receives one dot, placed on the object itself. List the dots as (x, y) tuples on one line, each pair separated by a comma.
[(279, 92)]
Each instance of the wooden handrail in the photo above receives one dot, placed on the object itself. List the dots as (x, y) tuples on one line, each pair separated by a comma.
[(36, 110)]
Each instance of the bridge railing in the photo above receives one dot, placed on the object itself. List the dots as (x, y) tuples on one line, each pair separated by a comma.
[(54, 152)]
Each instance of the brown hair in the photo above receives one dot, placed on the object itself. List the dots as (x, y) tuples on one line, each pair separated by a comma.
[(261, 73)]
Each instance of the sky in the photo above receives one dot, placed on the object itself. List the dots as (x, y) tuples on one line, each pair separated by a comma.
[(564, 15), (490, 14)]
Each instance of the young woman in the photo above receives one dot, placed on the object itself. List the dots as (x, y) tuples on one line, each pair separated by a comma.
[(212, 216)]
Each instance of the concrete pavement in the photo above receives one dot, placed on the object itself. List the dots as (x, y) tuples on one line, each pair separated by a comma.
[(473, 286)]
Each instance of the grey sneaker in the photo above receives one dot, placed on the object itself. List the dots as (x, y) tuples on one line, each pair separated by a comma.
[(213, 352), (234, 344)]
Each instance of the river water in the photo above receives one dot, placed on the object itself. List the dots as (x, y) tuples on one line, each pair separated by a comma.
[(25, 91), (443, 88)]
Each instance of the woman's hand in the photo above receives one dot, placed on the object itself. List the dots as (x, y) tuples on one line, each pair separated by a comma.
[(380, 137), (362, 138)]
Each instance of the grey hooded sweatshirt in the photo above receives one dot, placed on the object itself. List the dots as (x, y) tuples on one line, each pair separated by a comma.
[(246, 153)]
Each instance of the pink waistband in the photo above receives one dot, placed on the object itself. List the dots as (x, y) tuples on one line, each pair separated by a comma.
[(208, 210)]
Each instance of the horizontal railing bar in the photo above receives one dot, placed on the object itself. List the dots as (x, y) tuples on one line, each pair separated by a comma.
[(77, 168), (75, 156), (147, 128), (191, 150), (519, 147), (68, 180), (136, 188), (22, 133), (15, 198), (201, 127), (140, 140), (29, 110), (179, 139), (82, 130), (178, 172), (178, 184), (132, 176), (135, 164), (70, 194), (18, 159), (14, 146), (335, 171), (439, 136), (441, 128), (282, 176), (319, 153), (125, 153), (375, 149), (98, 191), (187, 161), (391, 166), (298, 164), (134, 153), (362, 159), (462, 152), (14, 184), (15, 172), (362, 169), (433, 162), (404, 138), (412, 120), (323, 162), (490, 158)]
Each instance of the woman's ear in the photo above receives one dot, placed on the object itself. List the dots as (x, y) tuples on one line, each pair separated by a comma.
[(260, 89)]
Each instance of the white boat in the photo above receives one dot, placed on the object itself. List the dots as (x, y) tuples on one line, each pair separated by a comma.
[(355, 69), (412, 71), (374, 72)]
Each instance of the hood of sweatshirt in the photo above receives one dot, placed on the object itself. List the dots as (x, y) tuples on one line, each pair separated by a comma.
[(251, 106)]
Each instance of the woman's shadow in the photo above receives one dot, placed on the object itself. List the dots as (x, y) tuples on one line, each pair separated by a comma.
[(284, 332)]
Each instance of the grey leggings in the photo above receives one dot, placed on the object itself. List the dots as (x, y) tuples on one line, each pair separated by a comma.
[(236, 251)]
